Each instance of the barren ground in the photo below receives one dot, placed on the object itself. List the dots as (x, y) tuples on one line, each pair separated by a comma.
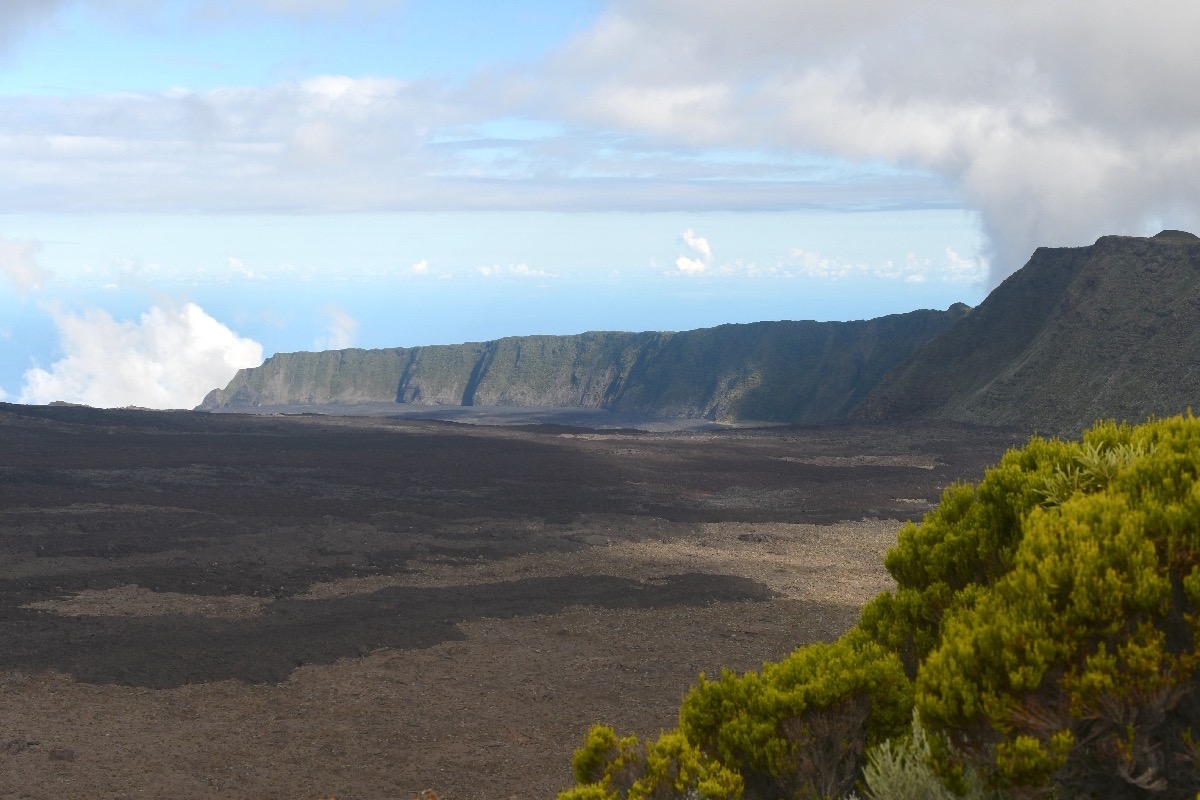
[(199, 606)]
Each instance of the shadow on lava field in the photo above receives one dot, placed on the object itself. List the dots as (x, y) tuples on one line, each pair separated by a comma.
[(289, 607)]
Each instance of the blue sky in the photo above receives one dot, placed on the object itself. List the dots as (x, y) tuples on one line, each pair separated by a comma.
[(192, 185)]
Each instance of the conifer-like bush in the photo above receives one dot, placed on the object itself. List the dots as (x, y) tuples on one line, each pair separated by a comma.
[(611, 768), (1043, 626)]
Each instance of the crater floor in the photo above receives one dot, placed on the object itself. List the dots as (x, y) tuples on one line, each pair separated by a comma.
[(197, 605)]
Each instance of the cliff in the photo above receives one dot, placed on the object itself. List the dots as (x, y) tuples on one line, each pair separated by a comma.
[(773, 371), (1111, 330)]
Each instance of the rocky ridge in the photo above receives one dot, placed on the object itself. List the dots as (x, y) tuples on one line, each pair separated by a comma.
[(1110, 330), (771, 371)]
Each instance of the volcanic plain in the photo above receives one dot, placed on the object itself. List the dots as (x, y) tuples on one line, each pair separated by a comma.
[(299, 606)]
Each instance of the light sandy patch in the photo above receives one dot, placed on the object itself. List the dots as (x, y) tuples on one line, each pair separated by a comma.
[(840, 563), (914, 462), (133, 601)]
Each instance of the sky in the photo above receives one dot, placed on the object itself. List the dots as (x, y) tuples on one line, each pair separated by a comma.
[(189, 186)]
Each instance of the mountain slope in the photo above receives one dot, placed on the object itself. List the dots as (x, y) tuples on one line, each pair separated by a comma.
[(777, 371), (1077, 334)]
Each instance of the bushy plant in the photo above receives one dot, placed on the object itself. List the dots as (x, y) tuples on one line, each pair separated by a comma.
[(801, 726), (612, 768), (1048, 619), (1077, 668), (965, 544)]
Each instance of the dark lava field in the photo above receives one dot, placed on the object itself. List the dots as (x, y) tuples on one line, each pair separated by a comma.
[(197, 605)]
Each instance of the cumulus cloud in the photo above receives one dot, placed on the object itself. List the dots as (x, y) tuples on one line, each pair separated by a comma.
[(341, 329), (420, 268), (697, 264), (169, 358), (811, 264), (690, 266), (18, 265), (698, 243), (1057, 121), (514, 271)]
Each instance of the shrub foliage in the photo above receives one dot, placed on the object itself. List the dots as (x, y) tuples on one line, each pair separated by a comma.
[(1043, 626)]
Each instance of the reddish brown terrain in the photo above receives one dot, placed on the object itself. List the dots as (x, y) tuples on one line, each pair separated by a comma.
[(200, 606)]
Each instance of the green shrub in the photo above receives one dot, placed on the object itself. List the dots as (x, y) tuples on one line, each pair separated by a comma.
[(963, 545), (608, 768), (1077, 667), (1044, 625), (801, 726)]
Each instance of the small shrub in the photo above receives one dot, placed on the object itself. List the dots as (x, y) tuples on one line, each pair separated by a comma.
[(801, 726), (902, 769), (611, 768)]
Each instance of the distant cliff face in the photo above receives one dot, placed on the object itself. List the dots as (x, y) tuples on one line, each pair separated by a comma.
[(774, 371), (1106, 331)]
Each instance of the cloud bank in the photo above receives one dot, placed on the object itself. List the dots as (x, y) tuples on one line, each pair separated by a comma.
[(1057, 122), (169, 358)]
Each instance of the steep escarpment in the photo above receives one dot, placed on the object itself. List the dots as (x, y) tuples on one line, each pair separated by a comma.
[(1111, 330), (779, 371)]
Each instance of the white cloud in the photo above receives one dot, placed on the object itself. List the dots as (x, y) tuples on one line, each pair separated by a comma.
[(912, 269), (697, 243), (240, 270), (525, 271), (964, 270), (813, 265), (341, 330), (514, 271), (170, 358), (334, 143), (328, 144), (18, 265), (688, 265), (1058, 122), (420, 268)]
